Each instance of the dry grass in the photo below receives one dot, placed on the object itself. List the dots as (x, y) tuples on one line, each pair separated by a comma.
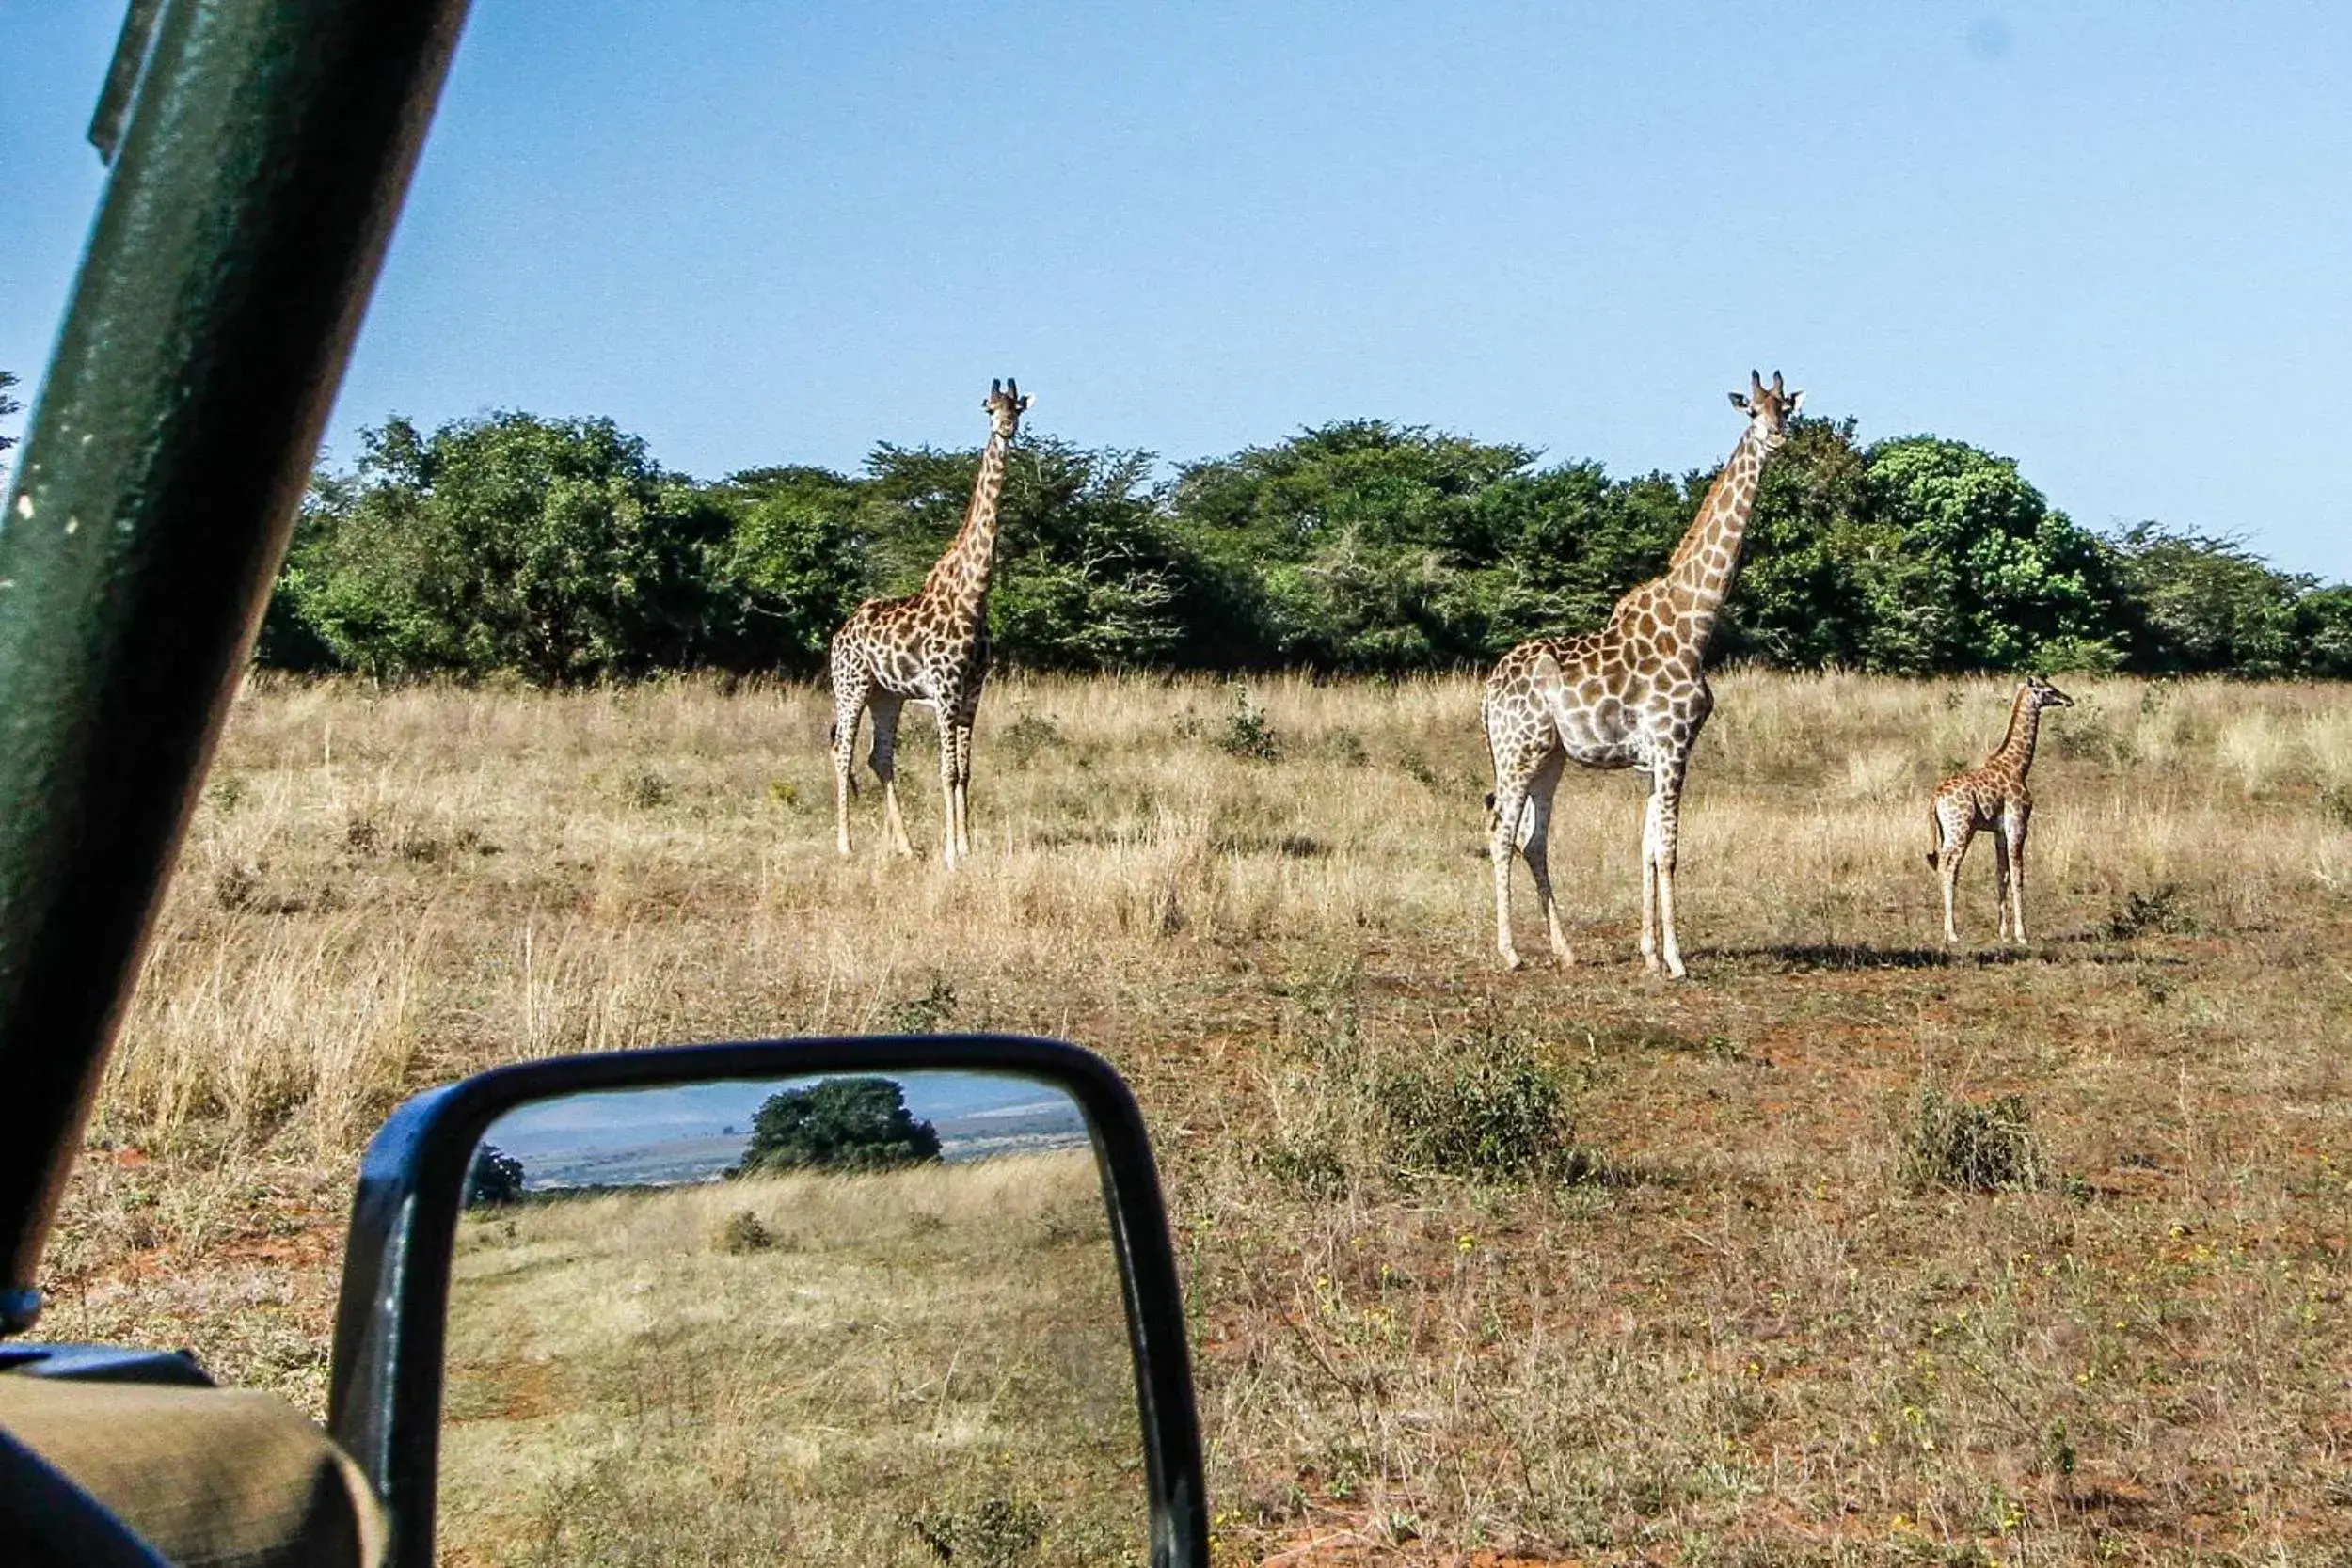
[(1722, 1326), (937, 1351)]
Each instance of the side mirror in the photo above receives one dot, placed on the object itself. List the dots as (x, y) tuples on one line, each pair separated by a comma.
[(851, 1293)]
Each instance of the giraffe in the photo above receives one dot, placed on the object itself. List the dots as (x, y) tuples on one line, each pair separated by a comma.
[(1632, 694), (931, 646), (1993, 796)]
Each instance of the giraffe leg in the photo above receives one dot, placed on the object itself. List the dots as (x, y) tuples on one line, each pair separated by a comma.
[(1956, 848), (963, 786), (1536, 850), (2016, 840), (2000, 884), (951, 848), (883, 760), (1503, 832), (849, 706), (1666, 808), (1649, 881)]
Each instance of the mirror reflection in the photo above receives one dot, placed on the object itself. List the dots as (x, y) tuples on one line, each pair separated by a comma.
[(854, 1319)]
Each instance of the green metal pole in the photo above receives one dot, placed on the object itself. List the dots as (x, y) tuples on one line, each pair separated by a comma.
[(264, 158)]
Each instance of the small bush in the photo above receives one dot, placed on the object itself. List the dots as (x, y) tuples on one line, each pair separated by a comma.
[(494, 1178), (1308, 1163), (1986, 1147), (993, 1532), (2335, 804), (1028, 734), (1347, 748), (1247, 734), (742, 1233), (2162, 911), (1495, 1114), (785, 792), (924, 1014), (644, 789)]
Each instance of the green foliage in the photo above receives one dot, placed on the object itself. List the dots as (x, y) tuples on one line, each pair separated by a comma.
[(996, 1531), (556, 549), (1972, 1147), (559, 550), (1490, 1113), (1246, 735), (787, 571), (1088, 573), (1347, 545), (1998, 574), (840, 1124), (2161, 910), (494, 1178), (2205, 605)]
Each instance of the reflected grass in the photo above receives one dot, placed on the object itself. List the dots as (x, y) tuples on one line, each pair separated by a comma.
[(900, 1361)]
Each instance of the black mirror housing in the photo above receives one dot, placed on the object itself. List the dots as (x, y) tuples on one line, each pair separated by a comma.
[(385, 1396)]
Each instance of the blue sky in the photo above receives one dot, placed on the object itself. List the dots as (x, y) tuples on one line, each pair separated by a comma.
[(2111, 241)]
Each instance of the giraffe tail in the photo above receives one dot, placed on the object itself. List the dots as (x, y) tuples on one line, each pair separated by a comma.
[(1935, 832), (1491, 811)]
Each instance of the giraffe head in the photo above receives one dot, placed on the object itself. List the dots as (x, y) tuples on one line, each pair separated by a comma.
[(1004, 408), (2039, 693), (1769, 408)]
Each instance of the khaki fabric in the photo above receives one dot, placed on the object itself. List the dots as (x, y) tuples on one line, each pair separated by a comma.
[(213, 1477)]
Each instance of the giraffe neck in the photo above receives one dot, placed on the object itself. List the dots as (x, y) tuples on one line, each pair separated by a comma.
[(962, 574), (1708, 559), (2015, 752)]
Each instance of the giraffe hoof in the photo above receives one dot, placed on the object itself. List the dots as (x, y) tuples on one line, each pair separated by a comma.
[(1510, 960)]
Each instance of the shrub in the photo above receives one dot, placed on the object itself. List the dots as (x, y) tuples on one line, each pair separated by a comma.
[(2163, 910), (924, 1014), (1028, 734), (993, 1533), (841, 1124), (1970, 1147), (494, 1178), (1246, 734), (1493, 1113), (742, 1233)]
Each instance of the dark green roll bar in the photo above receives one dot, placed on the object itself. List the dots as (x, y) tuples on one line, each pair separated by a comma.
[(261, 152)]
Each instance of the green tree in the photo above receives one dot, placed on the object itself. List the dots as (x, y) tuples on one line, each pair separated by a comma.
[(1088, 573), (789, 570), (1989, 575), (2323, 633), (494, 1178), (553, 548), (1568, 542), (1355, 545), (2206, 605), (843, 1124)]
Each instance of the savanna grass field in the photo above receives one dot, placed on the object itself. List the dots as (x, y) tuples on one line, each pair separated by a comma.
[(1845, 1250)]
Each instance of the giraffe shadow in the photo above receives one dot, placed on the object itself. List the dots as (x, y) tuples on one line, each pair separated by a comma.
[(1857, 955), (1798, 957)]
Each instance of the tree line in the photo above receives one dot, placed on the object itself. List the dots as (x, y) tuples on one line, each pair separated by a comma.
[(559, 550)]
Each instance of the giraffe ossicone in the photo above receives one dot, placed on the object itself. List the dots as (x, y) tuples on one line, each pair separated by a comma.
[(931, 646), (1993, 796), (1632, 694)]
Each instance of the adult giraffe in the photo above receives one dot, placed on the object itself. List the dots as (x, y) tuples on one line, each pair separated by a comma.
[(1632, 694), (931, 646)]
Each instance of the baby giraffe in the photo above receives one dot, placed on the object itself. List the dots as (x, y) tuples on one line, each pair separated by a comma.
[(1993, 796)]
